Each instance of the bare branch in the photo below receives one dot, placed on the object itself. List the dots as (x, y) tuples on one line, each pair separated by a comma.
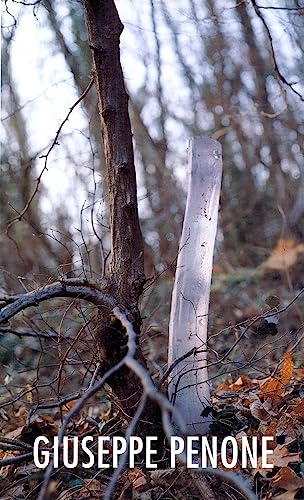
[(254, 320), (174, 364), (27, 4), (16, 460), (87, 395), (108, 495), (150, 390), (27, 333), (67, 288), (276, 67), (272, 7), (46, 156)]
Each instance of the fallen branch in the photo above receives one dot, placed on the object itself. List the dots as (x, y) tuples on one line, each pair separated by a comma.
[(16, 460)]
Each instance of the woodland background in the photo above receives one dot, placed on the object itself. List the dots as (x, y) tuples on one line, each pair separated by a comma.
[(230, 70)]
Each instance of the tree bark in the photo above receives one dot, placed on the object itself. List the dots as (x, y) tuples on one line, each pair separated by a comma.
[(126, 276), (127, 262)]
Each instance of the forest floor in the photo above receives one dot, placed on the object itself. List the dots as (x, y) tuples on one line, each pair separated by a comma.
[(258, 391)]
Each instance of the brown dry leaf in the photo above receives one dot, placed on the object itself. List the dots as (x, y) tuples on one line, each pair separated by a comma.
[(299, 374), (273, 388), (258, 411), (271, 430), (261, 470), (137, 478), (15, 434), (287, 479), (91, 488), (6, 473), (287, 368), (298, 411), (287, 495), (68, 406), (223, 387), (13, 418), (281, 457), (21, 415), (290, 426), (159, 477), (284, 255), (242, 382)]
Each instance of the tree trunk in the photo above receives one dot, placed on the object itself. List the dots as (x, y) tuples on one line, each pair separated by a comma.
[(127, 262), (126, 276)]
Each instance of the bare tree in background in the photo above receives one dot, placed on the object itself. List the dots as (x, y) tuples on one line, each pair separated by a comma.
[(77, 307), (123, 283)]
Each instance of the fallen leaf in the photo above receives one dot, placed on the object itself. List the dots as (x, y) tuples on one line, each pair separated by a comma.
[(284, 255), (224, 387), (287, 495), (138, 479), (263, 471), (298, 411), (91, 488), (258, 411), (287, 368), (273, 388), (289, 426), (242, 382), (287, 479), (160, 476), (273, 301), (281, 456), (299, 374)]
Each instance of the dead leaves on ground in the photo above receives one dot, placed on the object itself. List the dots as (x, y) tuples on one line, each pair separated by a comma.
[(272, 407), (244, 407), (89, 488), (274, 387), (287, 479)]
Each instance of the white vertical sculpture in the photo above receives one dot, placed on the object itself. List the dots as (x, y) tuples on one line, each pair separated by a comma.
[(188, 383)]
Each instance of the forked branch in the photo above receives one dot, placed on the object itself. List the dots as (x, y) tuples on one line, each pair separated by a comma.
[(150, 391), (66, 288)]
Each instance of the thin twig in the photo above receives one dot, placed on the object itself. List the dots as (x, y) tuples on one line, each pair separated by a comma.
[(150, 390), (276, 67), (46, 156), (16, 460)]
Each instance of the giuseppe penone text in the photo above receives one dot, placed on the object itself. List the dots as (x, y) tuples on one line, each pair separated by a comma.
[(198, 452)]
